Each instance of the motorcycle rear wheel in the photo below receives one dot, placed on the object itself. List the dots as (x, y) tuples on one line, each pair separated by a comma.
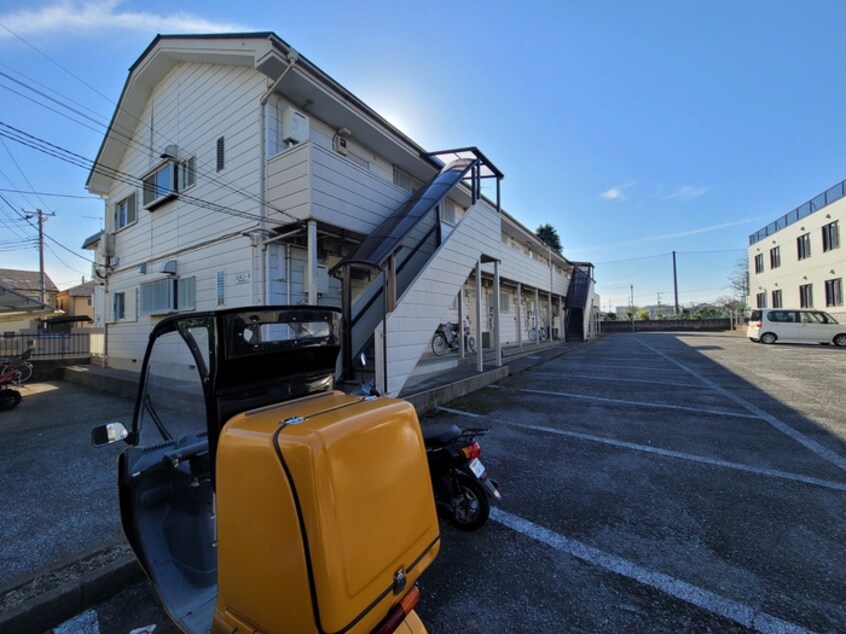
[(474, 508), (9, 399)]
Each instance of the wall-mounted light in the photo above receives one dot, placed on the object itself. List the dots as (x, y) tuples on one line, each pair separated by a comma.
[(828, 216), (832, 271), (344, 132), (804, 277)]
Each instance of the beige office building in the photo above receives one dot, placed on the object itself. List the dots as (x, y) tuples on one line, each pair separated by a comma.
[(797, 260)]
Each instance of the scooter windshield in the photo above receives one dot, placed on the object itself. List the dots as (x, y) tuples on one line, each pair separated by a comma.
[(172, 403)]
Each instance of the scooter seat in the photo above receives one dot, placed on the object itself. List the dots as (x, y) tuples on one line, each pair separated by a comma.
[(440, 434)]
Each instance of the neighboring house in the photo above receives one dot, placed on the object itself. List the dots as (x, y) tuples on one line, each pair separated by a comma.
[(798, 261), (77, 304), (236, 172), (20, 299)]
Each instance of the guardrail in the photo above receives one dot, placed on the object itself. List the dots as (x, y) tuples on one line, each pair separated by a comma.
[(816, 203)]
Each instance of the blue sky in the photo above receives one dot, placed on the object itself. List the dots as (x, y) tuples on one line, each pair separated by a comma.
[(634, 128)]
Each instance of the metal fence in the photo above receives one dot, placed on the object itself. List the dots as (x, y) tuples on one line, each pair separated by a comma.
[(815, 204), (51, 345)]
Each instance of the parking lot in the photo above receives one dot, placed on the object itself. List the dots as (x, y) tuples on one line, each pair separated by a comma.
[(651, 482)]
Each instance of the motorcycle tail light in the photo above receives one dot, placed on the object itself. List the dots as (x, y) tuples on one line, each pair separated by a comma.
[(472, 451), (398, 613)]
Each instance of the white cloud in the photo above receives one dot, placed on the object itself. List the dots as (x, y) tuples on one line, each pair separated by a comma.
[(101, 15), (616, 193), (686, 193)]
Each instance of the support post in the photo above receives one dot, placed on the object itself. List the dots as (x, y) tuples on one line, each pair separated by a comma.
[(675, 285), (480, 360), (311, 267), (461, 346), (497, 320), (519, 313)]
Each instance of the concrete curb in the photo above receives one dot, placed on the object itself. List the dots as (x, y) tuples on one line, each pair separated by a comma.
[(55, 606)]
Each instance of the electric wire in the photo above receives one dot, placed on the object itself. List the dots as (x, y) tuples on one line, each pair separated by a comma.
[(53, 194)]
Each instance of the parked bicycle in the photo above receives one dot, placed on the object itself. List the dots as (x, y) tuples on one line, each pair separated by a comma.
[(537, 334), (446, 339), (19, 365)]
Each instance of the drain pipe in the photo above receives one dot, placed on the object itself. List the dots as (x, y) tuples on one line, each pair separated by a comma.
[(293, 56)]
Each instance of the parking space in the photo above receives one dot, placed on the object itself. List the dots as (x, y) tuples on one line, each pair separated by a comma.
[(651, 482), (656, 482)]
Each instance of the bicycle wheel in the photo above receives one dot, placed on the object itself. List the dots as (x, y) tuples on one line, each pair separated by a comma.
[(24, 371), (439, 344)]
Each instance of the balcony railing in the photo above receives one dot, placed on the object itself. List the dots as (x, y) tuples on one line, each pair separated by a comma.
[(815, 204)]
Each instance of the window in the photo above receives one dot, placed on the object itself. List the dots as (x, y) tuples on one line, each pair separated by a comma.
[(775, 257), (221, 288), (803, 245), (834, 292), (118, 306), (160, 185), (759, 263), (806, 296), (505, 302), (448, 212), (405, 180), (776, 297), (168, 295), (220, 154), (125, 213), (831, 236), (761, 300), (187, 173)]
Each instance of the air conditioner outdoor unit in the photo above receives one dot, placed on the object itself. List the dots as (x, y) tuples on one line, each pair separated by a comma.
[(294, 126), (107, 245)]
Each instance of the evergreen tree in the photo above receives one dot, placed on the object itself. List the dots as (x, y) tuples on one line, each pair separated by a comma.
[(549, 235)]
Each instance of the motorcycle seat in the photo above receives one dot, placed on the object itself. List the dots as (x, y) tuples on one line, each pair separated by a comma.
[(440, 434)]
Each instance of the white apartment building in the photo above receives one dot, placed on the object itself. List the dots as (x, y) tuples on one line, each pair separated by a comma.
[(236, 172), (797, 260)]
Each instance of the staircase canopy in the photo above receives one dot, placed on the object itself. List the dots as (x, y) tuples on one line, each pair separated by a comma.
[(375, 250)]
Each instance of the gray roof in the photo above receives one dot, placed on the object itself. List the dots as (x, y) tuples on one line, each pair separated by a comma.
[(26, 280), (86, 289), (91, 241)]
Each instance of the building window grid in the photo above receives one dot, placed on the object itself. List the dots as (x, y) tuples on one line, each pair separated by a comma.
[(776, 298), (775, 257), (803, 246), (759, 263), (806, 296), (831, 236), (834, 292), (761, 300)]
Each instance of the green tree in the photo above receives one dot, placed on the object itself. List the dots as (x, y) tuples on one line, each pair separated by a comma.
[(611, 316), (549, 235)]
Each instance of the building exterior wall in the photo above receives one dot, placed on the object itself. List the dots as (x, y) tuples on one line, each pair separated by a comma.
[(819, 267), (208, 236)]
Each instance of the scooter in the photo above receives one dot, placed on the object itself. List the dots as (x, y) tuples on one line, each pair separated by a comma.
[(9, 398), (463, 489)]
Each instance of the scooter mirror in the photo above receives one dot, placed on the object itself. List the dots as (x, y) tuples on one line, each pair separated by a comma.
[(108, 433)]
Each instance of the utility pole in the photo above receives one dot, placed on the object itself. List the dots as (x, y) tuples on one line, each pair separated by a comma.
[(632, 309), (41, 216), (675, 284)]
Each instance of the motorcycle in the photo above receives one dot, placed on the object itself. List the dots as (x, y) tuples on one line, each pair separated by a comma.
[(9, 398), (463, 489), (460, 482)]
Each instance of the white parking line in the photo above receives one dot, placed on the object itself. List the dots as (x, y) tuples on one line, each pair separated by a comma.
[(823, 452), (566, 375), (618, 401), (667, 453), (746, 615)]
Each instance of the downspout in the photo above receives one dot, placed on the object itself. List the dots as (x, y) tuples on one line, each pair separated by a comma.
[(293, 56)]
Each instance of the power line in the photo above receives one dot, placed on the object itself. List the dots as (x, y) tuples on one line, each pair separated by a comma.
[(22, 191)]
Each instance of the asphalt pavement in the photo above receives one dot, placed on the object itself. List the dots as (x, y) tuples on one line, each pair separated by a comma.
[(651, 482)]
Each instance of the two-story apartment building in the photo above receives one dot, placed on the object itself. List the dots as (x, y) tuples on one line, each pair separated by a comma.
[(797, 261), (236, 172)]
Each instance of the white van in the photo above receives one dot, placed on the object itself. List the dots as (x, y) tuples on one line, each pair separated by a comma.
[(801, 325)]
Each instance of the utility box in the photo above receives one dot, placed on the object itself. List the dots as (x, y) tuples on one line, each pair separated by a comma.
[(294, 126)]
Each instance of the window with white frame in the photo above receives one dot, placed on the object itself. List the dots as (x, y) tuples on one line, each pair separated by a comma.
[(167, 295), (187, 173), (118, 306), (221, 288), (160, 185), (448, 212), (124, 212)]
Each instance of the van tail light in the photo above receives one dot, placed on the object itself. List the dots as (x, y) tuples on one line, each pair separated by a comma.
[(472, 451), (398, 613), (757, 324)]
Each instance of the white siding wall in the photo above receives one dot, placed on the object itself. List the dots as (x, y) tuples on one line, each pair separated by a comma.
[(191, 107), (410, 326)]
